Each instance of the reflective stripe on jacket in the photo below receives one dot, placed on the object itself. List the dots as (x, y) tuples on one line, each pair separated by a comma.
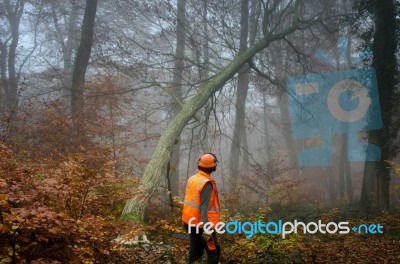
[(191, 204)]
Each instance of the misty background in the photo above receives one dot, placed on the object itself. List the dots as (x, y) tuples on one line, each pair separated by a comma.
[(149, 57)]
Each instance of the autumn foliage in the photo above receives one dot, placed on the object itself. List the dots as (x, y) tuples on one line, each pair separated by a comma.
[(58, 211), (61, 188)]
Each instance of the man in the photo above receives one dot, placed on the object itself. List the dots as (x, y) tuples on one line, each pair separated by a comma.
[(201, 204)]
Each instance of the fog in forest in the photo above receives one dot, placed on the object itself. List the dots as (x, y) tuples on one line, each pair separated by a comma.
[(297, 99)]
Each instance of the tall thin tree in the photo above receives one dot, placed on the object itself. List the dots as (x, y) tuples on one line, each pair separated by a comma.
[(82, 57), (9, 72), (177, 82), (67, 41), (241, 96)]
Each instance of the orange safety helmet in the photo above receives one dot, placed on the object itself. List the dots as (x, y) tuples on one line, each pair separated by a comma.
[(208, 160)]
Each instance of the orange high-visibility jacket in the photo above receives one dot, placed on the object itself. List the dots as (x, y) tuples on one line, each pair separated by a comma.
[(191, 204)]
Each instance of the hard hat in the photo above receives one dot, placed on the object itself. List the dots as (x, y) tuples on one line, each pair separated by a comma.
[(208, 160)]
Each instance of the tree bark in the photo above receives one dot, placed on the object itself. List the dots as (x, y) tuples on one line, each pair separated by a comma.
[(82, 58), (267, 131), (10, 82), (177, 93), (67, 46), (349, 182), (240, 115), (345, 182), (342, 167), (3, 77), (368, 191), (206, 47), (384, 61)]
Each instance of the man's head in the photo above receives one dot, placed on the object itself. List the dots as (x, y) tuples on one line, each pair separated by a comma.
[(207, 163)]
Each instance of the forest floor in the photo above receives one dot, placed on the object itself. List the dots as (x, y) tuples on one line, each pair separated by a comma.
[(299, 248), (67, 210)]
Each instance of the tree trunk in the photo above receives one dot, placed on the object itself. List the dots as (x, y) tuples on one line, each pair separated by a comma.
[(177, 93), (203, 136), (349, 184), (242, 86), (384, 61), (3, 77), (246, 156), (10, 84), (286, 133), (82, 58), (368, 191), (267, 138), (206, 48), (345, 182), (67, 46), (342, 167)]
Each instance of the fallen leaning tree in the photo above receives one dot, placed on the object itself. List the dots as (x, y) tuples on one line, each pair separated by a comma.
[(289, 14)]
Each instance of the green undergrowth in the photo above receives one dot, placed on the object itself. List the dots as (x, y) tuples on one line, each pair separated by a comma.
[(295, 248)]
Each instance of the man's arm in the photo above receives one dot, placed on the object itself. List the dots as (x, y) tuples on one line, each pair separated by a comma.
[(204, 200)]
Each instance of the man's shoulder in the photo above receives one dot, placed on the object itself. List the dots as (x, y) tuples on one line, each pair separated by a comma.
[(198, 176), (193, 176)]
